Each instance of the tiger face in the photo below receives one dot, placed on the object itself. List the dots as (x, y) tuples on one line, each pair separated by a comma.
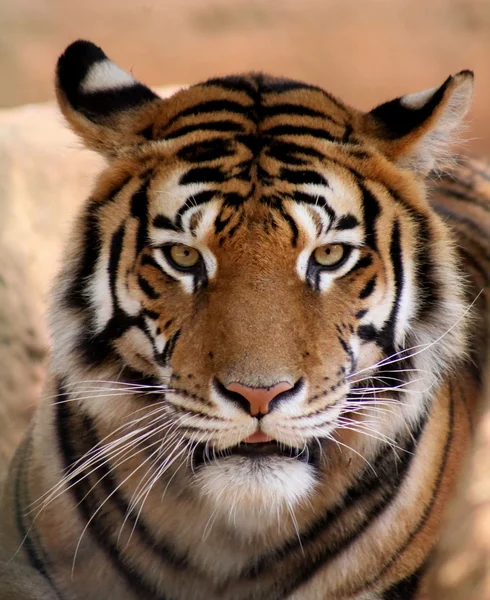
[(255, 275)]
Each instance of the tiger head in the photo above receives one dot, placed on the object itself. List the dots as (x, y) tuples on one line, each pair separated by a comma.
[(258, 273)]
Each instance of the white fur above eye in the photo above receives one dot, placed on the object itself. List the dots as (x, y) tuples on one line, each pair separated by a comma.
[(105, 75), (252, 494)]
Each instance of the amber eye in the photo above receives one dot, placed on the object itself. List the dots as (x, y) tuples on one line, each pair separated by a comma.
[(331, 255), (183, 257)]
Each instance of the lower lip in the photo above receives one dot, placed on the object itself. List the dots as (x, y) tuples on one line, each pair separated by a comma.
[(257, 438)]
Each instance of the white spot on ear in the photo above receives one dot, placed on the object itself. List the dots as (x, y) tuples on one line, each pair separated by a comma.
[(105, 75), (433, 148), (417, 100)]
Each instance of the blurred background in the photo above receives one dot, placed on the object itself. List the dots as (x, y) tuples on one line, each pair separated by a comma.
[(364, 51)]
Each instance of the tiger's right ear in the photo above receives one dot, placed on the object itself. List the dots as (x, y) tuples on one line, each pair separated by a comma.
[(103, 104)]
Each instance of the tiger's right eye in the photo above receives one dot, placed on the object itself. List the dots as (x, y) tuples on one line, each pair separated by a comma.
[(183, 258), (331, 256)]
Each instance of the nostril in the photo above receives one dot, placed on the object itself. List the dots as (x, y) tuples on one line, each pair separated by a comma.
[(255, 400)]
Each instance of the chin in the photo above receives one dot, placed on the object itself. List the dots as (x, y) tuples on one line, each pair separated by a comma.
[(251, 488)]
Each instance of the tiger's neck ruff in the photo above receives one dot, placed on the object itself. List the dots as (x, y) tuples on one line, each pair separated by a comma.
[(257, 383)]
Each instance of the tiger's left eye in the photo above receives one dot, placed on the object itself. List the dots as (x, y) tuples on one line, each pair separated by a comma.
[(183, 257), (331, 256)]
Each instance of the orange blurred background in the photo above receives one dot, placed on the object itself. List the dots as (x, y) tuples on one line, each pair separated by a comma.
[(364, 51)]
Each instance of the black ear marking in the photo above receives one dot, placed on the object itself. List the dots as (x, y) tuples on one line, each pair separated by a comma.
[(90, 83), (404, 114), (398, 119)]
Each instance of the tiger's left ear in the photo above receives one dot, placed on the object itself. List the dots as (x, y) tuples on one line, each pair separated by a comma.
[(416, 130), (103, 104)]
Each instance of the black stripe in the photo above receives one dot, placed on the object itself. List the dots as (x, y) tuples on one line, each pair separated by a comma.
[(292, 225), (192, 202), (114, 257), (276, 203), (163, 222), (288, 152), (371, 213), (149, 261), (299, 130), (168, 350), (225, 126), (91, 244), (427, 283), (317, 201), (368, 289), (147, 288), (75, 296), (362, 263), (211, 106), (233, 83), (139, 210), (346, 222), (202, 175), (206, 150), (387, 335), (147, 132), (234, 199), (303, 176), (347, 349), (367, 333), (296, 110), (407, 588), (97, 106), (287, 85)]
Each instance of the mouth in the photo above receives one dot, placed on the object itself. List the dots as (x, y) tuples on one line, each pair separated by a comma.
[(256, 450)]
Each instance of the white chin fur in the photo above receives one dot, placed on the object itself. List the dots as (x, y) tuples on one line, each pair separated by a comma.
[(250, 495)]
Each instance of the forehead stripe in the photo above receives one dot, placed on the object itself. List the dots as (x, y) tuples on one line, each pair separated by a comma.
[(293, 110), (202, 175), (347, 222), (300, 130), (192, 202), (225, 126), (303, 176), (279, 149), (163, 222), (211, 107), (317, 201)]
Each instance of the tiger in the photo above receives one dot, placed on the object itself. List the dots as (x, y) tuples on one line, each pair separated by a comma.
[(268, 339)]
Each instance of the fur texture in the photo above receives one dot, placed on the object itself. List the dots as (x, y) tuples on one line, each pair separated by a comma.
[(138, 479)]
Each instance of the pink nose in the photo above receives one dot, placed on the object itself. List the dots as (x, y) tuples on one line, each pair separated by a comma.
[(259, 398)]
